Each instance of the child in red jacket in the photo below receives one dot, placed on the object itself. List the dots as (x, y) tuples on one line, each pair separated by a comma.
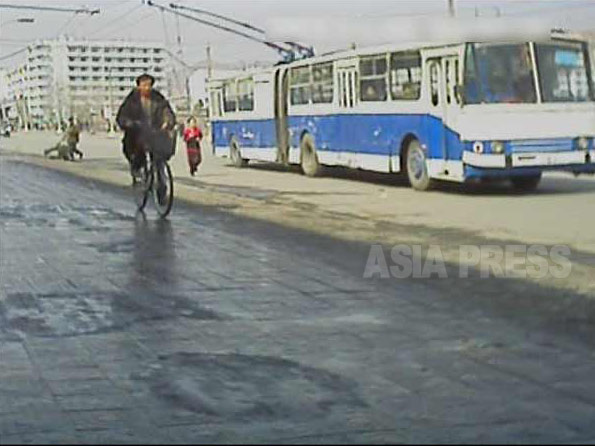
[(193, 136)]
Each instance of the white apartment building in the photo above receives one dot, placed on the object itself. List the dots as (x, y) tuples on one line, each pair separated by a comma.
[(86, 79)]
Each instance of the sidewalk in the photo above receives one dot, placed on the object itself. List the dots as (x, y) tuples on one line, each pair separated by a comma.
[(363, 206)]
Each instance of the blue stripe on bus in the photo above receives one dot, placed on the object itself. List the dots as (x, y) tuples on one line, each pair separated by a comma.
[(364, 133), (372, 134)]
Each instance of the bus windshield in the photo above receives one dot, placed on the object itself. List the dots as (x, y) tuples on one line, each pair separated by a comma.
[(562, 72), (499, 73)]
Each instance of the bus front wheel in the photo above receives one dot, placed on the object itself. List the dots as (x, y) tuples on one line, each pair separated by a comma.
[(308, 158), (235, 155), (416, 167), (525, 183)]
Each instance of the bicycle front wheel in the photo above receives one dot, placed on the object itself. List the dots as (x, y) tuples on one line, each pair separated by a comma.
[(163, 189)]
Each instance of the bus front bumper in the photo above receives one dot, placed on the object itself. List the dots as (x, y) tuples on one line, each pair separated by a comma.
[(529, 159)]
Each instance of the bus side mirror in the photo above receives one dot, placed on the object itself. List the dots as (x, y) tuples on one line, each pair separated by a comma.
[(460, 94)]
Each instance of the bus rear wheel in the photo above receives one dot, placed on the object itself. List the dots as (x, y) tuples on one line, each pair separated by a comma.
[(308, 158), (235, 155), (526, 183), (416, 167)]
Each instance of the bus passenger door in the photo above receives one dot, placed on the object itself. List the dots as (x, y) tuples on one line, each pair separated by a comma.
[(443, 77), (452, 107), (281, 93), (347, 83), (346, 133)]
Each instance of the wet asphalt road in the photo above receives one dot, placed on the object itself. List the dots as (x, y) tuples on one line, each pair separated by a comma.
[(208, 327)]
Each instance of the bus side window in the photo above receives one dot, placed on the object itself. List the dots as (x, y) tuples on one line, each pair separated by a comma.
[(230, 95), (470, 80), (372, 83), (434, 83), (246, 95), (300, 90), (322, 83), (405, 75)]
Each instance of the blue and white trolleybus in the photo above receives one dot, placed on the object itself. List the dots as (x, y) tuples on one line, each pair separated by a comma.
[(453, 112)]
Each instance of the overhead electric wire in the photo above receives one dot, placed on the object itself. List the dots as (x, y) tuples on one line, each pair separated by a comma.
[(63, 27), (49, 8), (116, 20), (221, 27), (8, 56)]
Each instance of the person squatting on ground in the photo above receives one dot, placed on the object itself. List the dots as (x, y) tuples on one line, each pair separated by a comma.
[(147, 120), (193, 137)]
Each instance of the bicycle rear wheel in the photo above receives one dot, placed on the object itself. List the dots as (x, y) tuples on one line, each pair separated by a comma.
[(142, 188), (163, 198)]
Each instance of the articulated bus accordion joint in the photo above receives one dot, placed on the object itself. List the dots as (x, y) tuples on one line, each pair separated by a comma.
[(508, 161)]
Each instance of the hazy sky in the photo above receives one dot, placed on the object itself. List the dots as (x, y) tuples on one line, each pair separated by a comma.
[(130, 19)]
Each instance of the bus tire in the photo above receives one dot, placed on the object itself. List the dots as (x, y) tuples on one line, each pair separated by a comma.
[(416, 167), (235, 155), (526, 183), (308, 157)]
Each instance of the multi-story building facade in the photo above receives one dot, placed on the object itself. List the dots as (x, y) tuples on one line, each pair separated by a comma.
[(86, 79)]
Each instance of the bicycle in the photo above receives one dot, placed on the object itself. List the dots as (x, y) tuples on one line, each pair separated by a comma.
[(157, 180)]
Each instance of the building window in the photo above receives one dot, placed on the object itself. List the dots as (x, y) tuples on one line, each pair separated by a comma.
[(372, 82), (300, 85), (322, 83)]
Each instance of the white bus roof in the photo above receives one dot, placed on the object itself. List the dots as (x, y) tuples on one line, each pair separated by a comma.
[(392, 47)]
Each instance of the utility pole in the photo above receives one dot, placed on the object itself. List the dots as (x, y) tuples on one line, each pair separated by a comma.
[(111, 100), (451, 8), (209, 62), (185, 72)]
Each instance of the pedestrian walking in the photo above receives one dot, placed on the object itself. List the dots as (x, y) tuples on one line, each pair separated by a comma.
[(192, 137), (72, 139)]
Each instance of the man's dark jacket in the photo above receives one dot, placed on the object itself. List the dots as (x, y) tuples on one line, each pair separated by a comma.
[(131, 113)]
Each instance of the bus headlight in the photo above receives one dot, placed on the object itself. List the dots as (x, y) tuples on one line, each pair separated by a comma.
[(498, 147), (478, 147), (582, 143)]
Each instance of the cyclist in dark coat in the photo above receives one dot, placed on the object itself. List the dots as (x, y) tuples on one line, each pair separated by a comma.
[(147, 120)]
